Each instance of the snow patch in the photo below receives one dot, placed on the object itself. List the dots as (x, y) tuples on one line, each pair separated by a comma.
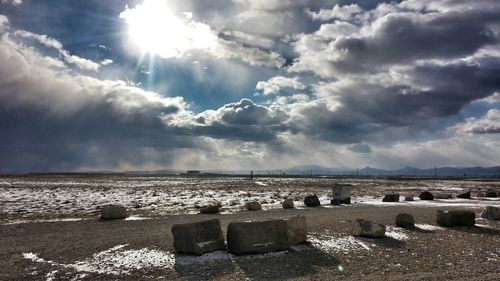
[(40, 221), (117, 261), (344, 244), (32, 257), (136, 218), (485, 226), (114, 261), (396, 233), (428, 227)]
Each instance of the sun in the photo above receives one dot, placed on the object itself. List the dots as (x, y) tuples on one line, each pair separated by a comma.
[(156, 29)]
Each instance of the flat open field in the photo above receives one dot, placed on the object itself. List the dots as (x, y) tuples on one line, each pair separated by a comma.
[(49, 230)]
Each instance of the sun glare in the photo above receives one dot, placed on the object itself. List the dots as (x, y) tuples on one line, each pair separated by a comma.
[(156, 29)]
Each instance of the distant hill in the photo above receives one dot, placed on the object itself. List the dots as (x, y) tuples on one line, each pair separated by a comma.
[(367, 171), (406, 171), (441, 171)]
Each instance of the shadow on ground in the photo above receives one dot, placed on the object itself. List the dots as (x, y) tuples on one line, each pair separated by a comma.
[(272, 266), (198, 268), (478, 230), (283, 266)]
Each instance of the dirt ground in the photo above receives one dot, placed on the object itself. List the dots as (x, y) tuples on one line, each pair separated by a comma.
[(465, 253)]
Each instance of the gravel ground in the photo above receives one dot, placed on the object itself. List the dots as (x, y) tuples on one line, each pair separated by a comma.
[(142, 249)]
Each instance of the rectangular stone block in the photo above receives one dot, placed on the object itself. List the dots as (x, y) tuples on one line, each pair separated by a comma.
[(366, 228), (455, 218), (257, 237), (297, 230), (199, 237)]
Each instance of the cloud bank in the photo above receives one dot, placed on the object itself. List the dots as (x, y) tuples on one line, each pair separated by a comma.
[(344, 84)]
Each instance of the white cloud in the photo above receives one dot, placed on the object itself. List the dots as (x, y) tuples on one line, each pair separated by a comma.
[(275, 84), (488, 124), (41, 38), (336, 29), (37, 76), (272, 5), (337, 12), (4, 23), (495, 98), (81, 63), (156, 29), (106, 62), (12, 2), (253, 56)]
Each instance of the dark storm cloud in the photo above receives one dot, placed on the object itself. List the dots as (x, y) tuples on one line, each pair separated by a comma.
[(360, 148), (355, 110), (404, 37), (52, 118)]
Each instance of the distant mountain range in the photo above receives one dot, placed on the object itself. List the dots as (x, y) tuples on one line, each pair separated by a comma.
[(367, 171), (406, 171)]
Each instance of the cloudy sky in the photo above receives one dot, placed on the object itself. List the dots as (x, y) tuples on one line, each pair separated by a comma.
[(248, 84)]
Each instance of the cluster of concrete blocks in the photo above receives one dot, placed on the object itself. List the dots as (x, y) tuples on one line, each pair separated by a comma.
[(250, 237), (426, 195), (452, 218)]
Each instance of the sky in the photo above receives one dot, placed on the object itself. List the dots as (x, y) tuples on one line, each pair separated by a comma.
[(248, 84)]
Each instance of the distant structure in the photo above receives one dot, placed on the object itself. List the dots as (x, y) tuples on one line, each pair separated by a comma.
[(341, 191), (191, 173)]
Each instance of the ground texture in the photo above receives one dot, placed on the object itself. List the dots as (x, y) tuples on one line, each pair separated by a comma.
[(83, 250)]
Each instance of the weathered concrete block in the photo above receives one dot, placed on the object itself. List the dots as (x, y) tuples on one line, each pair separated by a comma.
[(257, 237), (491, 194), (405, 221), (335, 202), (210, 209), (391, 198), (288, 204), (455, 218), (491, 213), (312, 201), (426, 195), (345, 200), (465, 195), (341, 201), (198, 238), (113, 212), (253, 206), (297, 230), (443, 196), (366, 228)]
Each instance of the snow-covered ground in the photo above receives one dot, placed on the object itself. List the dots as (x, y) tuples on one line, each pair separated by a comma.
[(66, 197)]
